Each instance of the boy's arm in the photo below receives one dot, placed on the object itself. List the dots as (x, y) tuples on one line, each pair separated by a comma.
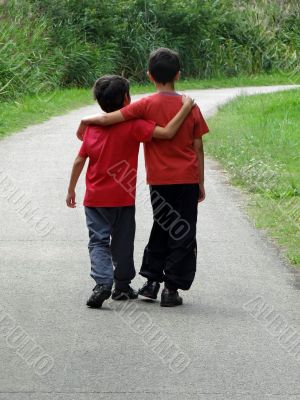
[(198, 146), (99, 119), (170, 130), (75, 174)]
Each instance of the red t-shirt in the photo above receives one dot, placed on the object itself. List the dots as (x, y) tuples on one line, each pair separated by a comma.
[(169, 161), (113, 156)]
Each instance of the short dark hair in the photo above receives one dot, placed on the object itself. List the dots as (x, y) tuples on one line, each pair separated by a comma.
[(110, 91), (164, 65)]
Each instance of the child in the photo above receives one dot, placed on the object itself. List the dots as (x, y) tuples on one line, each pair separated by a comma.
[(109, 206), (175, 173)]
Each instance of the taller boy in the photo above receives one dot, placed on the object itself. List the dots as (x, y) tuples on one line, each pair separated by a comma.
[(175, 173)]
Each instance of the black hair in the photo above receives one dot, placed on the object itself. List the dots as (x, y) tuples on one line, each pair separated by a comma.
[(110, 91), (164, 65)]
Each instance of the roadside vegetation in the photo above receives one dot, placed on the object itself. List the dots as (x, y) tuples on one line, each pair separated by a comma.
[(51, 51), (54, 44), (257, 140)]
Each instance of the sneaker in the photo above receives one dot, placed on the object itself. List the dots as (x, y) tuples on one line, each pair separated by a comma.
[(150, 290), (100, 294), (170, 298), (129, 294)]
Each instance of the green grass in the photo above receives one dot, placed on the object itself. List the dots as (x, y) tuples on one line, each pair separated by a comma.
[(34, 109), (280, 78), (15, 116), (257, 139)]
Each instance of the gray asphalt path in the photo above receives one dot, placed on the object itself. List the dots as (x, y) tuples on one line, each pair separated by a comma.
[(237, 336)]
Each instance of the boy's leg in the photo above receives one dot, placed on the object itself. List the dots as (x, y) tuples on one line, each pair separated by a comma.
[(100, 228), (156, 250), (122, 247), (180, 265)]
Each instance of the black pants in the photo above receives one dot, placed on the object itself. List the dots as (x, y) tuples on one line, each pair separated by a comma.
[(171, 253)]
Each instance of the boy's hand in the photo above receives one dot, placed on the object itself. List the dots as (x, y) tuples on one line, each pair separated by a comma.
[(188, 101), (201, 192), (70, 200)]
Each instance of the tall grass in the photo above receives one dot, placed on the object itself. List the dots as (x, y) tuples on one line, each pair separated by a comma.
[(68, 43), (25, 50)]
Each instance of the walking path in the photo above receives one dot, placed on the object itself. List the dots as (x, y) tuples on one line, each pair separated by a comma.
[(237, 336)]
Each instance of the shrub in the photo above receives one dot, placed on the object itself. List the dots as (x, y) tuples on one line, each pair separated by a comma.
[(72, 42)]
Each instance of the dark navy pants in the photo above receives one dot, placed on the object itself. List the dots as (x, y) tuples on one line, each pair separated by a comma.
[(111, 245)]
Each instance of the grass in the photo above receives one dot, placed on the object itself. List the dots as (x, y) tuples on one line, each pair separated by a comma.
[(15, 116), (280, 78), (257, 139)]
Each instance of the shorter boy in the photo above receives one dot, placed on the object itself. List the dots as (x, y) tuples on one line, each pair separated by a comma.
[(109, 204)]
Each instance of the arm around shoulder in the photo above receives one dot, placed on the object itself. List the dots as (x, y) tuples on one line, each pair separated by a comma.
[(99, 119), (104, 119)]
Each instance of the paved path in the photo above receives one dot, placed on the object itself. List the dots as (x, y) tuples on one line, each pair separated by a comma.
[(237, 335)]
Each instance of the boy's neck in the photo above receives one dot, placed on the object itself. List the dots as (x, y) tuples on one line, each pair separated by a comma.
[(168, 87)]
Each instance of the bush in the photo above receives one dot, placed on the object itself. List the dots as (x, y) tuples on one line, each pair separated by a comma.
[(63, 43)]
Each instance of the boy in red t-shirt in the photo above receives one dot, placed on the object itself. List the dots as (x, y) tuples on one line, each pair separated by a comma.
[(175, 173), (109, 205)]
